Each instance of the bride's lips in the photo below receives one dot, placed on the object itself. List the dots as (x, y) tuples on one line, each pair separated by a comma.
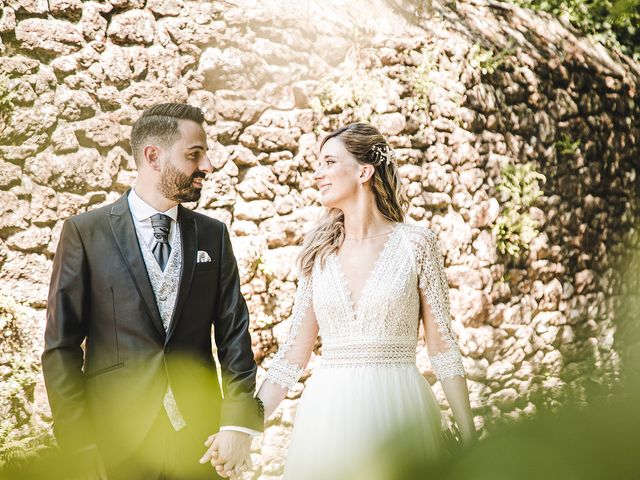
[(324, 187)]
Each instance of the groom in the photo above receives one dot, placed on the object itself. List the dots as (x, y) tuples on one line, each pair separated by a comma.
[(136, 288)]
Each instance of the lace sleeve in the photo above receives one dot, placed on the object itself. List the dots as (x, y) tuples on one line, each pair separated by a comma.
[(441, 341), (293, 355)]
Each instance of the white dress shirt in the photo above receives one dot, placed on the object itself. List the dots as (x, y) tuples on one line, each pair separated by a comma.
[(142, 212)]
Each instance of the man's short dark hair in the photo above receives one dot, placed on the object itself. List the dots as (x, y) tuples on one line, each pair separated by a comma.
[(160, 123)]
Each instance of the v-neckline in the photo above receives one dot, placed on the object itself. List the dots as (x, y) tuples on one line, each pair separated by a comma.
[(346, 288)]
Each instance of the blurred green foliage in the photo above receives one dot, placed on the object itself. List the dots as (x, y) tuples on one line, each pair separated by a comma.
[(598, 442), (614, 23), (37, 457)]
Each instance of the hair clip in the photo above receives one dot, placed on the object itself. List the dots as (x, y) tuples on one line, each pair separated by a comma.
[(382, 153)]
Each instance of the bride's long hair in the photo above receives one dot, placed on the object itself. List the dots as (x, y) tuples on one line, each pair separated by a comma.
[(368, 146)]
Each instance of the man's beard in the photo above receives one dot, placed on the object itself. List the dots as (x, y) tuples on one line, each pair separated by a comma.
[(177, 186)]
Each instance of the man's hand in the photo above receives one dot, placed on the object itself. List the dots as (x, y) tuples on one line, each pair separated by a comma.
[(229, 453)]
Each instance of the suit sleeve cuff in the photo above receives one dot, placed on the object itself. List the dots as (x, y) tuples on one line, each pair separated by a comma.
[(247, 412)]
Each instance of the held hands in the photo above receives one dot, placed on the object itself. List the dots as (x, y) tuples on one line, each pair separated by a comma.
[(229, 453)]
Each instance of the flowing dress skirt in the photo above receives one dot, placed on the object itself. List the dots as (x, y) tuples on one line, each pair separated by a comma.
[(354, 420)]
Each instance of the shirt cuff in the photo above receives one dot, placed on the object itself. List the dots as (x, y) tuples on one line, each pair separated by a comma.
[(248, 431)]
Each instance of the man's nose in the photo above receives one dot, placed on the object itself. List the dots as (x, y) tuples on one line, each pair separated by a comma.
[(205, 164)]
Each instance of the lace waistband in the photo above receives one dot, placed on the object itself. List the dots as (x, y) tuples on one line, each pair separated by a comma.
[(368, 354)]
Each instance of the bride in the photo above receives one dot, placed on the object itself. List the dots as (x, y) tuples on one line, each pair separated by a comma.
[(366, 281)]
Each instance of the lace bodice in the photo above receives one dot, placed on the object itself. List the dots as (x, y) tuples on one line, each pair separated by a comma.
[(382, 330)]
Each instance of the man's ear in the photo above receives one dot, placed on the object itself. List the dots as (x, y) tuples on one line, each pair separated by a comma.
[(151, 155), (366, 172)]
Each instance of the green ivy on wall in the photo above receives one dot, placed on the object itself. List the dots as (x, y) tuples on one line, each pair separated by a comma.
[(7, 97), (614, 23), (418, 80), (514, 228), (566, 147), (487, 60)]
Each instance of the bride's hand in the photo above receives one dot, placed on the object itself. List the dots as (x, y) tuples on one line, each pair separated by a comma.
[(228, 451), (241, 469)]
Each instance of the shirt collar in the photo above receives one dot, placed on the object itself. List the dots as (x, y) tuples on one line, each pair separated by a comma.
[(141, 210)]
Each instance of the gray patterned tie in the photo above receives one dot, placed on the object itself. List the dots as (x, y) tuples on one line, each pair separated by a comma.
[(161, 250)]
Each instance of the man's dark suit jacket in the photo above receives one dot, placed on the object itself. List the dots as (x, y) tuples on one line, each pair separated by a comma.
[(110, 390)]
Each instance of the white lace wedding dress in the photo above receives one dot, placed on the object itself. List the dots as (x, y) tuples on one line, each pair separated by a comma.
[(367, 389)]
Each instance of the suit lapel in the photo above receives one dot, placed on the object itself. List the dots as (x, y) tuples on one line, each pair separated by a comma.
[(126, 238), (189, 234)]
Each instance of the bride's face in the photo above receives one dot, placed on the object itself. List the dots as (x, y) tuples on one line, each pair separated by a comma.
[(338, 174)]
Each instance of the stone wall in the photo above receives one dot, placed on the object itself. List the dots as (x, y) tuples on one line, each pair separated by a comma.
[(463, 91)]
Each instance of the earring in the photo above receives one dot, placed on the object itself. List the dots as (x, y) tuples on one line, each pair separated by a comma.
[(361, 184)]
